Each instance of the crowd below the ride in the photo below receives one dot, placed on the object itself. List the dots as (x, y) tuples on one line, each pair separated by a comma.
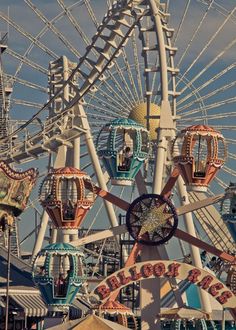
[(215, 264)]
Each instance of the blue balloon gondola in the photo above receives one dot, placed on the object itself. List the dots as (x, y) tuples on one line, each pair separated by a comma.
[(58, 273), (123, 147)]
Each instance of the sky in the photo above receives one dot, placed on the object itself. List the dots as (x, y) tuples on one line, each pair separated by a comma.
[(215, 39)]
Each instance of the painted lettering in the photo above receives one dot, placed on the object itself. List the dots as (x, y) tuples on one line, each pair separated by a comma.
[(166, 269), (193, 275), (124, 279), (206, 281), (103, 291), (135, 275), (213, 290), (173, 270), (147, 270), (113, 283), (224, 297), (159, 269)]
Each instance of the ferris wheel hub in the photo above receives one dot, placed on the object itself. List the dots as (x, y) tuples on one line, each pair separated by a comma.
[(151, 219)]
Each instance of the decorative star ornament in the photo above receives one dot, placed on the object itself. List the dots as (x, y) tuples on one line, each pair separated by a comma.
[(154, 218)]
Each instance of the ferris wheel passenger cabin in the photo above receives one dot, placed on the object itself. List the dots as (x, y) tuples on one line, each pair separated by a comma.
[(199, 152), (123, 147), (58, 273), (67, 195)]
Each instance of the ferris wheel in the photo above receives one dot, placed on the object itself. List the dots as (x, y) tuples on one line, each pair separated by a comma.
[(167, 66)]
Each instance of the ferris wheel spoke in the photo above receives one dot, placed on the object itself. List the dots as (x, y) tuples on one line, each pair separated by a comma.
[(122, 95), (116, 101), (129, 95), (27, 103), (207, 96), (179, 29), (228, 170), (208, 82), (99, 257), (94, 219), (157, 234), (101, 117), (38, 37), (230, 141), (232, 43), (224, 127), (205, 48), (52, 27), (168, 225), (231, 155), (222, 10), (210, 117), (29, 36), (109, 108), (156, 98), (109, 94), (27, 61), (74, 23), (135, 216), (86, 166), (210, 106), (119, 93), (91, 13), (134, 91), (116, 83), (220, 182), (136, 65), (196, 32), (26, 83), (214, 229), (145, 204), (203, 245)]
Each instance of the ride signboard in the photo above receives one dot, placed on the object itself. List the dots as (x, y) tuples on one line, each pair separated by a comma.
[(165, 269)]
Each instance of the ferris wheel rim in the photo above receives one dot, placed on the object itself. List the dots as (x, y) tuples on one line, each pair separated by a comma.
[(227, 169)]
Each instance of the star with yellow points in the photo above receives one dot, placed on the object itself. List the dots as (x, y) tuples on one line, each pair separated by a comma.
[(154, 218)]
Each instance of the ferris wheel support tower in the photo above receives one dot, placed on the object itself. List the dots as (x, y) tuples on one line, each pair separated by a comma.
[(166, 133), (68, 154)]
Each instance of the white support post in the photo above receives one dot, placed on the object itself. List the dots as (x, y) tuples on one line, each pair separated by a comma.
[(223, 319), (159, 168), (65, 237), (59, 162), (76, 163), (100, 178), (195, 255), (41, 233), (150, 300), (150, 294), (54, 235), (97, 167), (76, 153), (59, 72)]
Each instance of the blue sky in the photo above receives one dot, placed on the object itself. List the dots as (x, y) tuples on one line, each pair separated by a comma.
[(24, 17)]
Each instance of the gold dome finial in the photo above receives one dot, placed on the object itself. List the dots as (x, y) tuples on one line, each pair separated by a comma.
[(139, 112)]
